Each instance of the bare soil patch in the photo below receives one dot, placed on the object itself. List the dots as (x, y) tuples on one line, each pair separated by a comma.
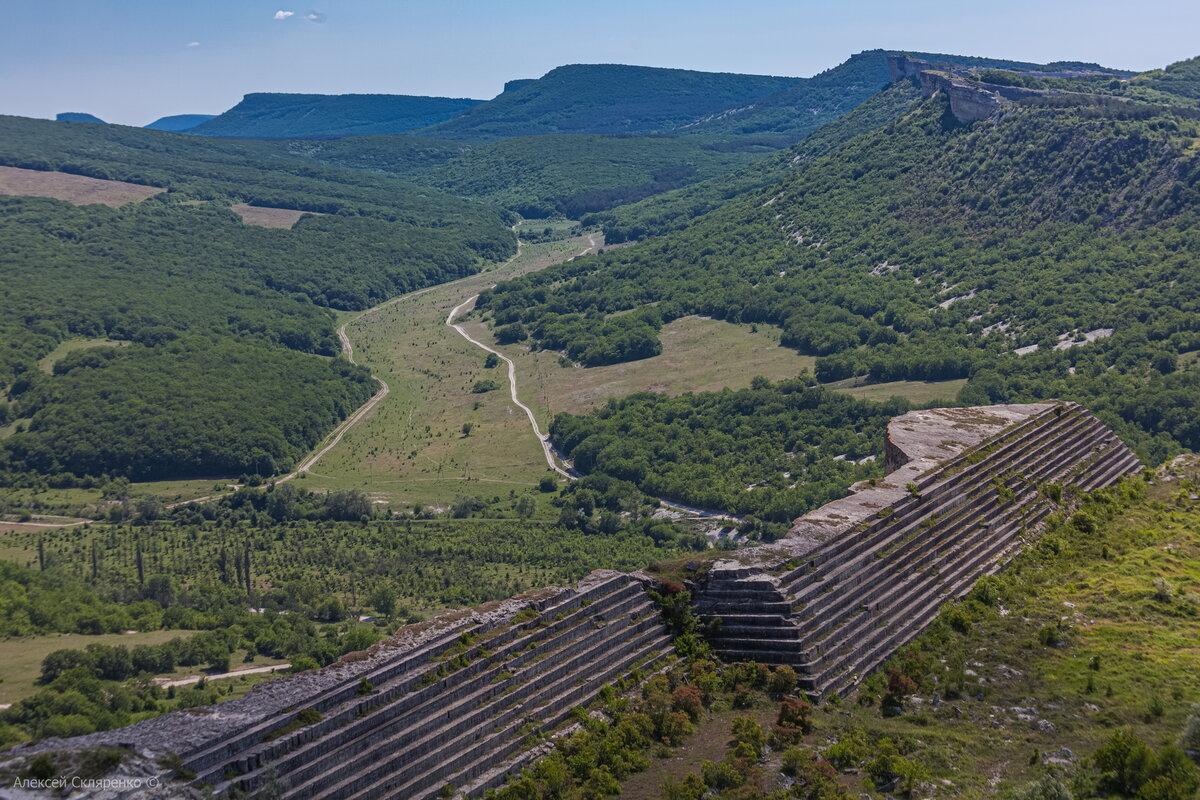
[(76, 189), (265, 217)]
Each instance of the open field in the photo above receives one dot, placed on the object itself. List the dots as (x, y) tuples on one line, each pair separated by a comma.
[(913, 391), (265, 217), (21, 659), (699, 355), (76, 189), (92, 504), (411, 449)]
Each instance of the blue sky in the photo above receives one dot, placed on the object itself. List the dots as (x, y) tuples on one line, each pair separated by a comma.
[(131, 61)]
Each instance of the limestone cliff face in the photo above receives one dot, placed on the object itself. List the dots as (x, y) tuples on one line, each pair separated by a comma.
[(970, 101)]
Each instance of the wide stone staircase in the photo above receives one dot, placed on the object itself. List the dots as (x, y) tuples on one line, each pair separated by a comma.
[(464, 710), (838, 610)]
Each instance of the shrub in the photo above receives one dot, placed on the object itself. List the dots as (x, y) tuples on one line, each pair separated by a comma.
[(689, 700), (691, 787), (794, 721), (783, 681), (1190, 740), (748, 737), (890, 771), (722, 774), (815, 778), (1048, 787), (1129, 766)]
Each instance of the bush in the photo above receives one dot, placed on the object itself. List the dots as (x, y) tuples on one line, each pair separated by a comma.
[(748, 737), (1190, 740), (1129, 766), (794, 721), (783, 681), (815, 778), (689, 700), (1048, 787), (892, 772)]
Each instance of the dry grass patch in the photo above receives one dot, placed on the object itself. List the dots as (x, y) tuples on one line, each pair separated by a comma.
[(699, 355), (913, 391), (76, 189), (264, 217)]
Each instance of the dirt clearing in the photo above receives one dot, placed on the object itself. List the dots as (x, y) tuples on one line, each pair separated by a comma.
[(76, 189), (265, 217)]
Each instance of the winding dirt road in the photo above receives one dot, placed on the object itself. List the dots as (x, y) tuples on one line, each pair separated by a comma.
[(543, 438)]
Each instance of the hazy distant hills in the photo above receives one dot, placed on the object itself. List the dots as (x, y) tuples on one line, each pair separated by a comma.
[(79, 116), (609, 98), (179, 123), (318, 116)]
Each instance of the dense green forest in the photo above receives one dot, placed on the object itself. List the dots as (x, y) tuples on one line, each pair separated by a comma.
[(190, 407), (538, 176), (926, 249), (265, 115), (773, 451), (189, 284), (214, 308)]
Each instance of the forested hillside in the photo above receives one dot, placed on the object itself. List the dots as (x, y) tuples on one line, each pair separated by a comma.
[(927, 249), (537, 176), (225, 318), (677, 209), (323, 116)]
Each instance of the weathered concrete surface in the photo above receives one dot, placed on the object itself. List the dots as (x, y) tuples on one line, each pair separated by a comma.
[(860, 576)]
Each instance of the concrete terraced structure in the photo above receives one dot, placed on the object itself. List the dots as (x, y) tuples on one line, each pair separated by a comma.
[(470, 697), (460, 701), (861, 576)]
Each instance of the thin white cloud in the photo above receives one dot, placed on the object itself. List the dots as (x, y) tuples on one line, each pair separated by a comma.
[(315, 16), (281, 15), (193, 44)]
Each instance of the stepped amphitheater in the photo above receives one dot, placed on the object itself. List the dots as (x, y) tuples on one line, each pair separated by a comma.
[(469, 698)]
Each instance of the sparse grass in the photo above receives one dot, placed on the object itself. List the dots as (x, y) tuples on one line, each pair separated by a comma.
[(1127, 658), (21, 659), (1189, 360), (699, 355), (918, 392), (75, 189)]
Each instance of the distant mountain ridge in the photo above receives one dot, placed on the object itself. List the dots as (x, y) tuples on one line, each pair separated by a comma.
[(609, 99), (79, 116), (318, 116), (178, 123)]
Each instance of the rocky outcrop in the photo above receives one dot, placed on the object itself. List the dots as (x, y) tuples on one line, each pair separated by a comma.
[(857, 578)]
